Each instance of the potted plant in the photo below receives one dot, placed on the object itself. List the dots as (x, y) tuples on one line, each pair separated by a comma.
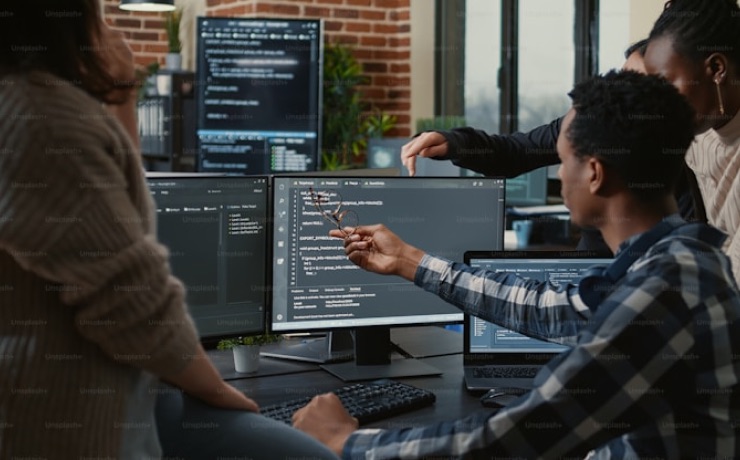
[(247, 350), (147, 80), (348, 121), (173, 60)]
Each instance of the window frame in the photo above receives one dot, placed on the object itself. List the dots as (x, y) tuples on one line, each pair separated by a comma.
[(449, 57)]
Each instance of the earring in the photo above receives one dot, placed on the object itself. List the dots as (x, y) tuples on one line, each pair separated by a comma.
[(719, 96)]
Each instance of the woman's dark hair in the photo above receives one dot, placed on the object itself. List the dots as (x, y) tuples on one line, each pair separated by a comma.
[(638, 125), (639, 46), (701, 27), (59, 37)]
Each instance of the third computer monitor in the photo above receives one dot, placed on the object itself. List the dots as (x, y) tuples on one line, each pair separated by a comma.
[(314, 285), (259, 94)]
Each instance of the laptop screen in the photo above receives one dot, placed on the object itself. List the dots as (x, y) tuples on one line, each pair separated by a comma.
[(558, 268)]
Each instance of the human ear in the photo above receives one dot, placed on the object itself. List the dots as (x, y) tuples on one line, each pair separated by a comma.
[(596, 175), (716, 67)]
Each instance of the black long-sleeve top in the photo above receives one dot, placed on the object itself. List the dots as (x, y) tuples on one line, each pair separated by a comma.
[(518, 153)]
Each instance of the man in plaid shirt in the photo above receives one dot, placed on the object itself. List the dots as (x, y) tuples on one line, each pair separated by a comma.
[(653, 367)]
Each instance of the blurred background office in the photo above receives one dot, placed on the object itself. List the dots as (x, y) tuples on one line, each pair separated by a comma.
[(430, 60)]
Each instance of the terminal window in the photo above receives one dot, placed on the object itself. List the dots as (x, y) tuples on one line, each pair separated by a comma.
[(258, 95)]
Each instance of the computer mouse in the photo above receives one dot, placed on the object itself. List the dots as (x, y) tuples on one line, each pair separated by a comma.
[(500, 397)]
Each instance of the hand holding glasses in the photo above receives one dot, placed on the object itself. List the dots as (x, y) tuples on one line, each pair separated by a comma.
[(329, 205)]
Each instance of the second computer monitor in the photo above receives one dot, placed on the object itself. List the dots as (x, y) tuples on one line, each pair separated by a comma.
[(216, 231), (316, 288)]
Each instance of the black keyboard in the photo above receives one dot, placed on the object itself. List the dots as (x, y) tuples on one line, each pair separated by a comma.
[(367, 402), (516, 372)]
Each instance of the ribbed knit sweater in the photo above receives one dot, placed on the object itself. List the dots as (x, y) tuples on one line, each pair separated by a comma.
[(714, 156), (89, 312)]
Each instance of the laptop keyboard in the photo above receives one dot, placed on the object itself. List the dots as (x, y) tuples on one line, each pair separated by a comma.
[(367, 401), (515, 372)]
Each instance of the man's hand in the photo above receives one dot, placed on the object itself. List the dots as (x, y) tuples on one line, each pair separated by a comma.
[(377, 249), (327, 420), (427, 145)]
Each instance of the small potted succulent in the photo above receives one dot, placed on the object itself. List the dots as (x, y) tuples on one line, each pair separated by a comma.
[(247, 350)]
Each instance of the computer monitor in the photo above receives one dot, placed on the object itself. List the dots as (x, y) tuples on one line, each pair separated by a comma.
[(216, 230), (555, 267), (357, 172), (258, 94), (316, 288), (528, 189)]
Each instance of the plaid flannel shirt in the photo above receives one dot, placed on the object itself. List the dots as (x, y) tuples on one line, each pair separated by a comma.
[(652, 372)]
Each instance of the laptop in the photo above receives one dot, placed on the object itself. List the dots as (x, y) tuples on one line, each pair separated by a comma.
[(495, 357)]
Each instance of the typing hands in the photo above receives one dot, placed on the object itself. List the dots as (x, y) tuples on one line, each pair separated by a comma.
[(327, 420)]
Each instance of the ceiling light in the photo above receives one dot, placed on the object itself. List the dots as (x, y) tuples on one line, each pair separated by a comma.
[(147, 5)]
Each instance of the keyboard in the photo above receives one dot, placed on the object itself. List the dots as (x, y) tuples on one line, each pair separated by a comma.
[(506, 371), (368, 402)]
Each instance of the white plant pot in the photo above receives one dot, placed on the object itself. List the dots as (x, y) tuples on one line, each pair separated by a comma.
[(247, 358), (173, 61), (164, 84)]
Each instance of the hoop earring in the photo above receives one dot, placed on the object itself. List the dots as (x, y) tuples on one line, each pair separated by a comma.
[(719, 97)]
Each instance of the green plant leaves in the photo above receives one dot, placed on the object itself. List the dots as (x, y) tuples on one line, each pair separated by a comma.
[(346, 123)]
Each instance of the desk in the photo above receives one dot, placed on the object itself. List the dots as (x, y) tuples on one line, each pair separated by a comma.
[(427, 341), (453, 401)]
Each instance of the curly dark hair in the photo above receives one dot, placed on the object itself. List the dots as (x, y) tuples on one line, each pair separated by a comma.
[(701, 27), (637, 125), (59, 37)]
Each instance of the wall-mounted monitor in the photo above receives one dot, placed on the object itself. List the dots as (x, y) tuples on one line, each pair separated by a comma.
[(258, 95)]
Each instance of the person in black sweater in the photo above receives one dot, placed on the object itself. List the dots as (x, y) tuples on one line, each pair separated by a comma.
[(518, 153)]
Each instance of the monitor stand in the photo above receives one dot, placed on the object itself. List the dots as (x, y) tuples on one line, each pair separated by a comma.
[(336, 346), (372, 359)]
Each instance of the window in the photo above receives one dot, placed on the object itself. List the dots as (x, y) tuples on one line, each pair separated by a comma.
[(507, 65), (546, 60), (519, 59), (614, 26), (482, 61)]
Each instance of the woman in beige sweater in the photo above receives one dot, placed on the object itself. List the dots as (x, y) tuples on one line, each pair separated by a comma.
[(90, 316), (695, 44)]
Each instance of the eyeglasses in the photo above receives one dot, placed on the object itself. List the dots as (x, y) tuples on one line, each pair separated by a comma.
[(329, 205)]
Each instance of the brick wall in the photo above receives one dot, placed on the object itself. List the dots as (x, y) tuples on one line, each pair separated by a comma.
[(144, 31), (377, 30)]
